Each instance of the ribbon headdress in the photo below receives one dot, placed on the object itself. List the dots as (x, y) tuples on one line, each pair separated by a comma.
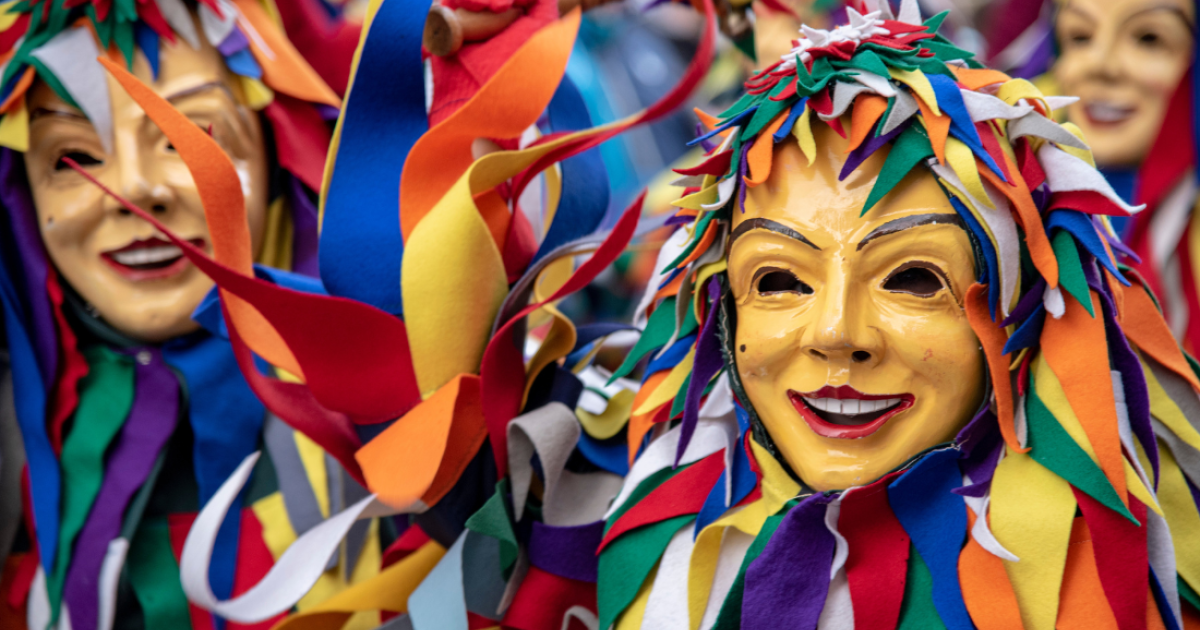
[(1094, 404)]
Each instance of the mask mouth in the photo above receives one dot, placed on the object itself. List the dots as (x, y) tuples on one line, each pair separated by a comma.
[(1103, 113), (153, 258), (846, 413)]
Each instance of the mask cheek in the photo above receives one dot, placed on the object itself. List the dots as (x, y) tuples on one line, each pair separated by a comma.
[(766, 342)]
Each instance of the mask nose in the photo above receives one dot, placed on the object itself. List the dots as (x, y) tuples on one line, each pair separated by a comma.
[(138, 180), (841, 334)]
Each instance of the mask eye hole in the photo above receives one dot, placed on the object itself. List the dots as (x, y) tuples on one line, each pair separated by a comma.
[(80, 158), (778, 281), (916, 279)]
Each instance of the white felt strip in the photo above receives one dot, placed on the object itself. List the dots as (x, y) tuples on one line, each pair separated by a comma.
[(292, 575), (983, 107), (1125, 431), (1058, 102), (176, 14), (110, 576), (667, 608), (981, 532), (1168, 223), (71, 56), (734, 545), (877, 84), (843, 97), (710, 437), (725, 190), (581, 614), (218, 27), (1035, 124), (903, 109), (37, 607), (669, 252), (1052, 299), (1021, 423), (1161, 551), (1067, 172), (838, 613), (910, 13)]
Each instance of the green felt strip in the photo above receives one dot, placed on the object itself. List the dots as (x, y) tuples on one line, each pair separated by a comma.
[(917, 611), (155, 577), (738, 106), (1070, 270), (494, 520), (681, 396), (1187, 594), (105, 397), (701, 225), (123, 37), (869, 61), (658, 330), (650, 484), (768, 109), (626, 562), (1051, 446), (934, 23), (909, 150)]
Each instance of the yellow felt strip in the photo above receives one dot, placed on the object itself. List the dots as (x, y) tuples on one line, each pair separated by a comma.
[(608, 423), (697, 200), (706, 272), (14, 129), (1182, 517), (278, 533), (553, 196), (1050, 390), (1133, 482), (631, 619), (667, 390), (389, 590), (561, 337), (1012, 91), (276, 248), (1031, 514), (258, 95), (442, 285), (919, 83), (1167, 412), (802, 130), (8, 17), (313, 460), (962, 160)]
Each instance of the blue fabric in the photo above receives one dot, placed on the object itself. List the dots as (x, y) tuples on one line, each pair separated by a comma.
[(147, 42), (584, 198), (725, 125), (384, 114), (242, 63), (611, 454), (1160, 598), (226, 419), (208, 312), (743, 483), (936, 521), (1084, 231), (1028, 333), (950, 101), (29, 394), (790, 121), (672, 356), (991, 274)]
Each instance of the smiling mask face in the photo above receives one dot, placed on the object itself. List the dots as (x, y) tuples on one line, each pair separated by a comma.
[(134, 278), (1123, 59), (851, 341)]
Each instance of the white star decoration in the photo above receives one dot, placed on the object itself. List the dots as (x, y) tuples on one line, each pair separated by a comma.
[(861, 27)]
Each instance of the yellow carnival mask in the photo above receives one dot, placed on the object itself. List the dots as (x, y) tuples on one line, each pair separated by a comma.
[(134, 278), (851, 339), (1123, 59)]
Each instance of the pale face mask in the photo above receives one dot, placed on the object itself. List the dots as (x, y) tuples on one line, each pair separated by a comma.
[(1124, 60), (132, 277), (852, 343)]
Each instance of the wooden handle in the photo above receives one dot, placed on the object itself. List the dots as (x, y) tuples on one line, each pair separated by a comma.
[(447, 30)]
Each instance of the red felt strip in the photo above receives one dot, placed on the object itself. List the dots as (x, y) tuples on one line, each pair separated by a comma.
[(684, 493), (1168, 158), (1082, 604), (1119, 547), (301, 138), (1086, 201), (542, 601), (992, 146), (178, 526), (72, 367), (716, 165), (1191, 339), (503, 366), (254, 561), (411, 540), (877, 564)]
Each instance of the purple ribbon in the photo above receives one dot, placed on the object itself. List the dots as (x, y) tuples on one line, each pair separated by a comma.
[(304, 232), (568, 552), (150, 423), (786, 586)]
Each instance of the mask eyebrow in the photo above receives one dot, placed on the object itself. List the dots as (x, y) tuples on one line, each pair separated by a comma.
[(909, 222), (203, 87), (772, 226)]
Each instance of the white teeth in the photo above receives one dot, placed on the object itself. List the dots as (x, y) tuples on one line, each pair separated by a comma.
[(851, 407), (1105, 112), (147, 255)]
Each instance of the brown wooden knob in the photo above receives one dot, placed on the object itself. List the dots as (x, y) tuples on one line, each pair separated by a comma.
[(446, 30)]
